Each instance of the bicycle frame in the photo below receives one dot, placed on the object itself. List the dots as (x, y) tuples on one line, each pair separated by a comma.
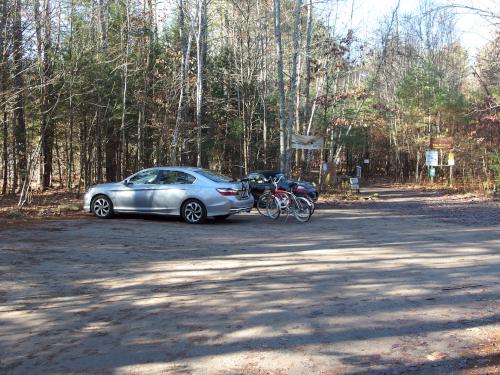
[(288, 200), (274, 202)]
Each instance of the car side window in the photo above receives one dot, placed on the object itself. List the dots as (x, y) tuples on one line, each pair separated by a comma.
[(146, 177), (166, 178), (184, 178), (175, 178)]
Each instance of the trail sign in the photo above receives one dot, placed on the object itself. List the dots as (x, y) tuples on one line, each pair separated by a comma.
[(307, 142), (354, 183), (432, 172), (432, 158), (451, 159), (441, 143)]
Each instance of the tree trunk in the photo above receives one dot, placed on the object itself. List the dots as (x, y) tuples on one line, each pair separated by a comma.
[(148, 142), (44, 43), (307, 87), (200, 42), (99, 132), (263, 93), (20, 125), (293, 84), (5, 154), (71, 151), (307, 106), (48, 144), (3, 87), (185, 50), (281, 84), (105, 130), (125, 38)]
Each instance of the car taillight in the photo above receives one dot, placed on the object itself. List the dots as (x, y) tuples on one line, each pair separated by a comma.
[(226, 192)]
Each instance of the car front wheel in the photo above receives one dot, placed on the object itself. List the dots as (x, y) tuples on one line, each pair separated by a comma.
[(102, 207), (194, 212)]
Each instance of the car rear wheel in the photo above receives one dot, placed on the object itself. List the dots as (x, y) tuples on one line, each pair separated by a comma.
[(102, 207), (193, 212)]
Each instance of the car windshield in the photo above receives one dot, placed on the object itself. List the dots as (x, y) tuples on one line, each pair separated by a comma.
[(214, 176), (276, 175)]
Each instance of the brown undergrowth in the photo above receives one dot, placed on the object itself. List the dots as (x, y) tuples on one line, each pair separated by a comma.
[(43, 205)]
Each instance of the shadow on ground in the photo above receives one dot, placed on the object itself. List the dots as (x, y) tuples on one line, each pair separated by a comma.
[(357, 291)]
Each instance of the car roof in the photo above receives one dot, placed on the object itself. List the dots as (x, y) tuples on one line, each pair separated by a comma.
[(194, 169)]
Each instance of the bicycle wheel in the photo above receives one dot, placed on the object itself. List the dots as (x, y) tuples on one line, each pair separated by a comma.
[(301, 209), (311, 203), (273, 207), (262, 203)]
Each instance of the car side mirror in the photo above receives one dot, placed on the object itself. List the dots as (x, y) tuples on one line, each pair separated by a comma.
[(127, 182)]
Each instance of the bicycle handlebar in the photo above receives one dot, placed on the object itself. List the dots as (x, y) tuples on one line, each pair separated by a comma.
[(275, 181)]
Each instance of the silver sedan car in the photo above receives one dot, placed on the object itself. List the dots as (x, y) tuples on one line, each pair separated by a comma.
[(192, 193)]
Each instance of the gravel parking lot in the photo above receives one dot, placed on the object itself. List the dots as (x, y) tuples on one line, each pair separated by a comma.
[(408, 283)]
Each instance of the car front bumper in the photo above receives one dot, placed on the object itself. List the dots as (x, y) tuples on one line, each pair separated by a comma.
[(86, 201)]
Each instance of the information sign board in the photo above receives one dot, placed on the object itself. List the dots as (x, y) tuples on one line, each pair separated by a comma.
[(432, 158)]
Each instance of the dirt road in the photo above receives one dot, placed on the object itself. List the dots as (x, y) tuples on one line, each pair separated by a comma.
[(408, 283)]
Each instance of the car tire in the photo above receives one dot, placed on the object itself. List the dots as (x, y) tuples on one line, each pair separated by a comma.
[(193, 212), (102, 207)]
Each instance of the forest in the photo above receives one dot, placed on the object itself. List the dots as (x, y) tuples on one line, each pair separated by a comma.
[(94, 90)]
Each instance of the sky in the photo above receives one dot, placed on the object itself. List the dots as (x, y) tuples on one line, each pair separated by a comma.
[(474, 31)]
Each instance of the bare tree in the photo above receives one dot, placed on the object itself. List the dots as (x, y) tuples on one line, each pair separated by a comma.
[(126, 42), (281, 84), (200, 55), (20, 158), (46, 71), (185, 47), (307, 90), (293, 84), (3, 86)]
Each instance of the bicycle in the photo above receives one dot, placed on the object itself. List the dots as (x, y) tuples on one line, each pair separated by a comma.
[(273, 203)]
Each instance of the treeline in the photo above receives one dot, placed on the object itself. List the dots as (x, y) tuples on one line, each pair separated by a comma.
[(93, 90)]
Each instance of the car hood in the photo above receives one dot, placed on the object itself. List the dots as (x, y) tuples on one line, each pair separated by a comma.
[(305, 184)]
